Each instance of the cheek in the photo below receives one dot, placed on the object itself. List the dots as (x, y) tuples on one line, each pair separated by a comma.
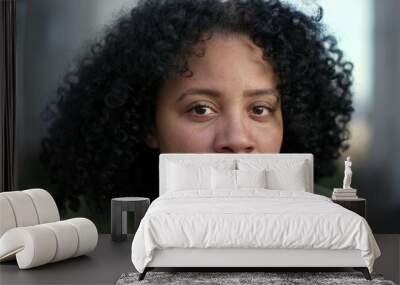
[(269, 140), (178, 135), (268, 137)]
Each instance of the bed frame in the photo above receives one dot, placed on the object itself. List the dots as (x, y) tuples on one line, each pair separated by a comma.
[(248, 259), (260, 259)]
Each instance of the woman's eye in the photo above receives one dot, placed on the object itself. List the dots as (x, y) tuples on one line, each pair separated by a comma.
[(204, 110), (201, 109), (261, 110)]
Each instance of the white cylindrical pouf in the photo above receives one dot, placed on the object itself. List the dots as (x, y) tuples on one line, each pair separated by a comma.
[(45, 205), (87, 234), (67, 239), (34, 245), (7, 218), (23, 208)]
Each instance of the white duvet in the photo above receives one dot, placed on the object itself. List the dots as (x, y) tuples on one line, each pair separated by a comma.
[(251, 218)]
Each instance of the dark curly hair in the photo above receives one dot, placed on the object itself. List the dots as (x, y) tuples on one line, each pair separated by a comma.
[(95, 146)]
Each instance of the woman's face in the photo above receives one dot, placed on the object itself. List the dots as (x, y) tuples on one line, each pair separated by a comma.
[(230, 104)]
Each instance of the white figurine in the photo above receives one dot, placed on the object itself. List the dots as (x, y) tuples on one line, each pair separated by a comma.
[(347, 174)]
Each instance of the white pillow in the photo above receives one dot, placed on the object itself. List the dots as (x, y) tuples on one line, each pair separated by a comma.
[(293, 178), (251, 178), (282, 174), (223, 179), (188, 177)]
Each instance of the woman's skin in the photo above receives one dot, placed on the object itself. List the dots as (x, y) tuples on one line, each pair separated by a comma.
[(239, 112)]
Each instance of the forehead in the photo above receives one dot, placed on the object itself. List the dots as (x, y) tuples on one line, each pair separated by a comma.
[(227, 58), (225, 47)]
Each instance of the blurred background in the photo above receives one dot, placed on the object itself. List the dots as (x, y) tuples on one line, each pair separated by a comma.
[(51, 34)]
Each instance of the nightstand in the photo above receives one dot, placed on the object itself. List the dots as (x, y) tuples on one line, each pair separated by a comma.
[(119, 208), (358, 206)]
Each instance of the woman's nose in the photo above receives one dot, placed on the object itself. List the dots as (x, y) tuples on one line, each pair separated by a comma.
[(233, 136)]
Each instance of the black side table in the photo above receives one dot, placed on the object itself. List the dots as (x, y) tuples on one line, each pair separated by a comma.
[(358, 206), (119, 209)]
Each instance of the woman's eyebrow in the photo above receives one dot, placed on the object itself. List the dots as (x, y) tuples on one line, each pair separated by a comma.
[(215, 93)]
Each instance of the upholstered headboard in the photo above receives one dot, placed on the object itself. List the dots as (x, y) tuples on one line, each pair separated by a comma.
[(232, 160)]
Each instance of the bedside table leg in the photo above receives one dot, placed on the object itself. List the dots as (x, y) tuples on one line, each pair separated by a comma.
[(364, 271), (118, 222)]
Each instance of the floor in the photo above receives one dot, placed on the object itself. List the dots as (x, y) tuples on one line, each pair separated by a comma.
[(102, 266), (389, 262), (110, 260)]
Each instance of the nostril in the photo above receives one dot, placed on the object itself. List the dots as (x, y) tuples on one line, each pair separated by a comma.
[(249, 149), (227, 150)]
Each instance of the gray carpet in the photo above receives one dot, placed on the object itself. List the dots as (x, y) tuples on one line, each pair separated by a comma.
[(225, 278)]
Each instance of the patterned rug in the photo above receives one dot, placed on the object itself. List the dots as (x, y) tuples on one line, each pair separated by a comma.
[(273, 278)]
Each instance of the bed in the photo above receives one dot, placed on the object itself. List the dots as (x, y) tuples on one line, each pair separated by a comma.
[(246, 211)]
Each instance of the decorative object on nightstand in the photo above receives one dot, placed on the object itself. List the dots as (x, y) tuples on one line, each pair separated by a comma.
[(347, 174), (347, 192), (119, 209), (347, 196), (358, 205)]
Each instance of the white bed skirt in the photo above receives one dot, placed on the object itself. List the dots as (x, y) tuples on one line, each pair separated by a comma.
[(236, 257)]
